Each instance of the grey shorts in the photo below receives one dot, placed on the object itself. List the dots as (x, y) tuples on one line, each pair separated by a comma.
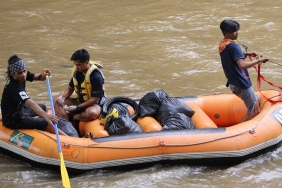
[(247, 95)]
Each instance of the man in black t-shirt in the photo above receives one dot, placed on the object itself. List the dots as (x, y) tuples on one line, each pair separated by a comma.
[(87, 82), (18, 109)]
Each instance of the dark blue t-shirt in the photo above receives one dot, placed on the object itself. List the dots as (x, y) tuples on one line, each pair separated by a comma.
[(235, 76)]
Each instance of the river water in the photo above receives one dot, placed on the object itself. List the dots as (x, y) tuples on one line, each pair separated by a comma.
[(143, 45)]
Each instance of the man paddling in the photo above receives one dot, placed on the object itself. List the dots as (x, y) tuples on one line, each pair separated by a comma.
[(18, 109)]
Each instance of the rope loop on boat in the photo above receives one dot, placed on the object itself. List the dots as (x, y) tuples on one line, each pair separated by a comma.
[(252, 131)]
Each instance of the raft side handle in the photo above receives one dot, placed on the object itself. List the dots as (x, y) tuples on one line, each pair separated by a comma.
[(162, 143), (252, 131), (66, 145)]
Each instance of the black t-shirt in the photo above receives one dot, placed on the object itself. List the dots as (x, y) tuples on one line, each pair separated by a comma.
[(13, 96), (97, 82)]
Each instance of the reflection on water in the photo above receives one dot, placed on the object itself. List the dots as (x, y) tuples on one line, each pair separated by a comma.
[(143, 45)]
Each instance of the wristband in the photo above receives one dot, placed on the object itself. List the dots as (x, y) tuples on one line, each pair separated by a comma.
[(78, 109)]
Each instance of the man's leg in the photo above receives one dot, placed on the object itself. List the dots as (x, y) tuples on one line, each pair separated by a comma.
[(91, 113), (59, 110), (250, 116)]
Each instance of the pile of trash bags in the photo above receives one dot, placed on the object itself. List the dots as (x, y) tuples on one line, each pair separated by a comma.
[(171, 113)]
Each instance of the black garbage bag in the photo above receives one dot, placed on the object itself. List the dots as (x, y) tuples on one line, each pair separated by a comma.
[(149, 104), (177, 121), (173, 105), (67, 127), (122, 110), (175, 114), (123, 124)]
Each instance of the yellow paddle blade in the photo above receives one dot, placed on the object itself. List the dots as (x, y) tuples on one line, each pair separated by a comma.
[(64, 173)]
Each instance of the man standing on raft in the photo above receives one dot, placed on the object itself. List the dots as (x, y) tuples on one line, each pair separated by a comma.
[(236, 68)]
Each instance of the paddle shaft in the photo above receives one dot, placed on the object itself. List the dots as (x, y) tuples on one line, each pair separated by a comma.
[(53, 112), (64, 173)]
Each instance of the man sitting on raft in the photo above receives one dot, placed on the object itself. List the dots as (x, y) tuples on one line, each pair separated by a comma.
[(87, 81), (18, 109)]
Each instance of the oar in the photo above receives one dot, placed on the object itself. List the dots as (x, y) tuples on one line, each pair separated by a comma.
[(64, 172)]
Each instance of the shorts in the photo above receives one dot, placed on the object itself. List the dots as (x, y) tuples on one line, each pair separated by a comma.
[(29, 121), (247, 95), (75, 101)]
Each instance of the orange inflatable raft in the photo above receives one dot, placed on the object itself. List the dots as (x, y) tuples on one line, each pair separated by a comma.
[(218, 138)]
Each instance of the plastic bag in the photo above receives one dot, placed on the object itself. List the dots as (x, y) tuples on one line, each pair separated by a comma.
[(123, 124), (173, 105), (67, 127), (177, 121), (174, 114), (149, 104)]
